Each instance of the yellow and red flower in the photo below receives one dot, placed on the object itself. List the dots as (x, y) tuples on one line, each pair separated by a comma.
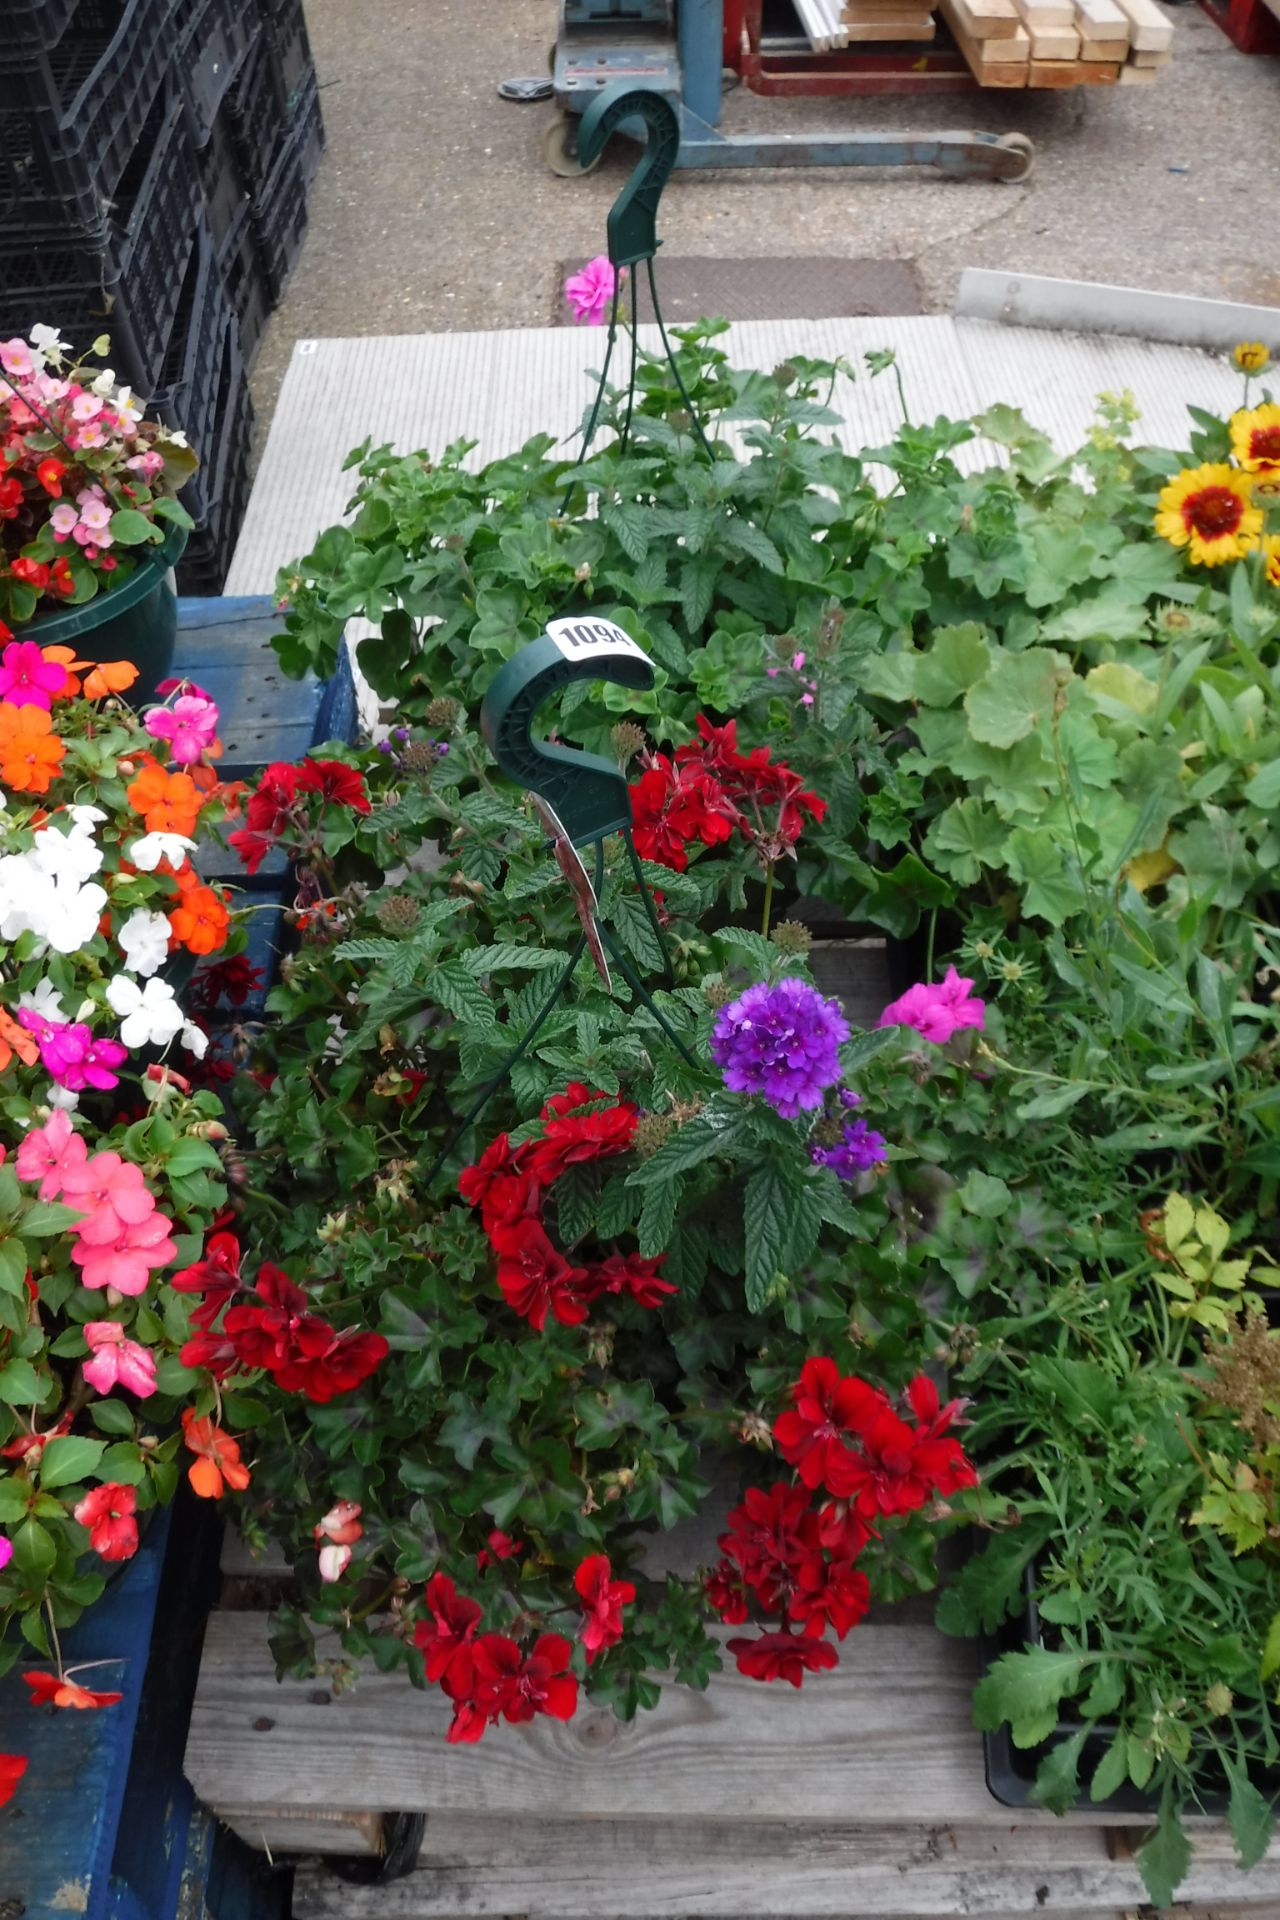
[(1271, 548), (1209, 511), (1255, 438), (1250, 356)]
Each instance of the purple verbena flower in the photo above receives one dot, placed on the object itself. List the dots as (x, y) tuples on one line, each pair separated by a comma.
[(782, 1041), (858, 1150)]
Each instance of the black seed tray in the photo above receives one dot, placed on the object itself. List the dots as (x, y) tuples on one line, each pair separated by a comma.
[(280, 211), (71, 117), (226, 192), (31, 27), (214, 37), (190, 391), (203, 566), (127, 285), (256, 114), (290, 49), (246, 288)]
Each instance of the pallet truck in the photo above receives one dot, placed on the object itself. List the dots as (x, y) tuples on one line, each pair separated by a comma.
[(678, 48)]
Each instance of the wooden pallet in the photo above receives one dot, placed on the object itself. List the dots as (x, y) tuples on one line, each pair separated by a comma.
[(1061, 43)]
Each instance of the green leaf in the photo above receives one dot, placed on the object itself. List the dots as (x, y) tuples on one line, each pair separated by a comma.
[(1111, 1771), (34, 1548), (712, 1131), (46, 1217), (20, 1384), (631, 924), (956, 658), (766, 1214), (1271, 1648), (1250, 1815), (1164, 1858), (189, 1155), (1025, 1689), (1048, 1105), (73, 1457), (1264, 788), (129, 528), (985, 1195), (1018, 692), (657, 1217), (13, 1266), (1058, 1776), (460, 994)]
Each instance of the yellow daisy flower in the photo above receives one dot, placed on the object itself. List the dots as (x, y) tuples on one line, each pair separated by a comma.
[(1250, 356), (1255, 438), (1271, 547), (1208, 510)]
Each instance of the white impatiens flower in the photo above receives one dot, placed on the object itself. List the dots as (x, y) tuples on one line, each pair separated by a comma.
[(195, 1040), (45, 1000), (83, 815), (149, 1016), (147, 853), (144, 940), (62, 1097), (53, 906), (73, 857)]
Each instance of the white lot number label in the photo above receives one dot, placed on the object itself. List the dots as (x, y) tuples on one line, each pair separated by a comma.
[(587, 639)]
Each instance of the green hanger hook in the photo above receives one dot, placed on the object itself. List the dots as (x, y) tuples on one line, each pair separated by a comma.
[(632, 222)]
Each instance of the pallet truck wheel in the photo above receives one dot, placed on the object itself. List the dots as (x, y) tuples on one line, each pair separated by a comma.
[(561, 149), (1019, 143)]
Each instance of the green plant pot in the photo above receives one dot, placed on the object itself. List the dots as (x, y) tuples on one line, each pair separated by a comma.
[(137, 621)]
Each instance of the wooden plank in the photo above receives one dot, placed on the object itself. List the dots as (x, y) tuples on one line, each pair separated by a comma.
[(1131, 76), (1140, 58), (1039, 16), (1013, 48), (1054, 43), (276, 1832), (1150, 28), (1074, 73), (859, 33), (982, 19), (1102, 20), (635, 1870), (888, 1739), (988, 73)]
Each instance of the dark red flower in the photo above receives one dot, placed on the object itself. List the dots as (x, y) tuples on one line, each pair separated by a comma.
[(498, 1184), (342, 785), (514, 1688), (33, 573), (829, 1412), (252, 848), (446, 1638), (783, 1656), (901, 1467), (770, 1535), (603, 1599), (629, 1273), (10, 500), (535, 1278), (233, 980), (842, 1530), (301, 1352), (501, 1547), (575, 1139), (576, 1094), (937, 1454), (214, 1351), (829, 1594), (12, 1768), (267, 814), (349, 1359), (674, 806), (770, 799), (727, 1592), (216, 1276)]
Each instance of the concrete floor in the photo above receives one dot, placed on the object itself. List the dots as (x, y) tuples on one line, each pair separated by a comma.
[(434, 210)]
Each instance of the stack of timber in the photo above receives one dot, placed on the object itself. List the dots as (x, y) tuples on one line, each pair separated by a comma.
[(831, 24), (1060, 43)]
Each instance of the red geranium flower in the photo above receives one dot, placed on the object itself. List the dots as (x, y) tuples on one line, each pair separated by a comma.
[(842, 1530), (60, 1690), (535, 1278), (514, 1688), (349, 1359), (575, 1139), (342, 785), (500, 1547), (754, 783), (829, 1595), (783, 1656), (233, 980), (674, 806), (771, 1534), (630, 1273), (498, 1184), (301, 1352), (900, 1466), (829, 1411), (937, 1454), (12, 1768), (446, 1638), (727, 1592), (108, 1512), (603, 1599), (266, 815), (216, 1276), (576, 1094)]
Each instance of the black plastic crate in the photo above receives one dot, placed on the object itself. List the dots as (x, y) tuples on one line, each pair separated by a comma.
[(246, 287), (196, 384), (290, 52), (280, 210), (203, 566), (31, 27), (128, 284), (72, 115), (213, 38), (226, 192), (256, 114)]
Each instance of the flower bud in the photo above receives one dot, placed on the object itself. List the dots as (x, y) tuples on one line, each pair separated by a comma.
[(1219, 1700), (628, 740), (792, 936), (442, 713), (652, 1131)]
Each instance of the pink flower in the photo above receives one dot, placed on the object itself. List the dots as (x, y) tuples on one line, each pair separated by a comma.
[(126, 1264), (27, 678), (86, 406), (189, 726), (17, 360), (63, 519), (112, 1193), (591, 292), (334, 1561), (70, 1054), (6, 1552), (94, 511), (50, 1153), (936, 1012), (341, 1524), (118, 1361), (91, 436), (147, 464)]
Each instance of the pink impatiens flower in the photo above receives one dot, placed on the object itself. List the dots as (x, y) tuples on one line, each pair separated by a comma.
[(936, 1011), (70, 1054), (27, 679), (126, 1263), (189, 725), (590, 292), (49, 1153), (112, 1193), (117, 1360)]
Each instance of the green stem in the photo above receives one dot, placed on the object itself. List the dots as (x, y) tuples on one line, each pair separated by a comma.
[(768, 900)]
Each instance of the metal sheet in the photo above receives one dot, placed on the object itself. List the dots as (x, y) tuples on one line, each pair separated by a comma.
[(1031, 300)]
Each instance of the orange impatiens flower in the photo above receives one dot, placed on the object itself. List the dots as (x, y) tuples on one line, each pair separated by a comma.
[(15, 1040), (218, 1459), (65, 657), (168, 802), (113, 676), (200, 920), (60, 1690), (30, 751)]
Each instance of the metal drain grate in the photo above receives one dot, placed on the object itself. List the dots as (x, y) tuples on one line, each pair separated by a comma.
[(794, 287)]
